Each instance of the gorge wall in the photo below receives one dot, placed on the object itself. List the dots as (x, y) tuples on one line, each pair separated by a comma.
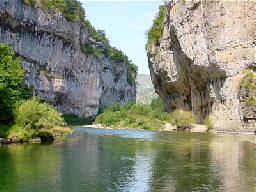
[(56, 67), (198, 62)]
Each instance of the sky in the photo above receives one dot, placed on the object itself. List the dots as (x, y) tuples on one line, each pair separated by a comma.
[(125, 24)]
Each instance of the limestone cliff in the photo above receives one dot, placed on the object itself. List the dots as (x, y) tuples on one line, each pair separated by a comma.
[(198, 62), (56, 67)]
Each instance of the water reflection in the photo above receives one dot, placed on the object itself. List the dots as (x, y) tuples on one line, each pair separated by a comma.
[(128, 161)]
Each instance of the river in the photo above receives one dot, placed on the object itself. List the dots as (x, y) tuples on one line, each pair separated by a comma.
[(98, 160)]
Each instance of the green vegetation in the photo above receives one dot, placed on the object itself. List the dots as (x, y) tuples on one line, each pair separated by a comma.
[(157, 28), (32, 118), (143, 116), (21, 117), (248, 84), (183, 119), (208, 123), (116, 55), (71, 9), (251, 100), (71, 119), (11, 83)]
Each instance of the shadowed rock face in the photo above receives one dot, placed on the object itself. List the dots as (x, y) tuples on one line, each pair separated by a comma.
[(56, 68), (197, 64)]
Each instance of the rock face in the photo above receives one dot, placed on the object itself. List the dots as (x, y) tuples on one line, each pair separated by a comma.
[(198, 62), (56, 68)]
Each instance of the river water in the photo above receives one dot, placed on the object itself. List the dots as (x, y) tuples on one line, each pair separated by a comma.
[(98, 160)]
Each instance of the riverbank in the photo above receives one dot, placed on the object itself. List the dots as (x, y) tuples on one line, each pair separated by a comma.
[(168, 127), (196, 128), (53, 135)]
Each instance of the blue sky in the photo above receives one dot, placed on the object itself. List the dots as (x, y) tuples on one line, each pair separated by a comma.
[(125, 23)]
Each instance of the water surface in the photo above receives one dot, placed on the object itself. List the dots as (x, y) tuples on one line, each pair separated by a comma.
[(98, 160)]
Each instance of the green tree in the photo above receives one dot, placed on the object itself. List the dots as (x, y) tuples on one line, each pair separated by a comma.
[(11, 83)]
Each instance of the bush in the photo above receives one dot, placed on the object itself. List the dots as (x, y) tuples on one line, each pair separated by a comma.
[(183, 119), (248, 85), (157, 28), (72, 10), (140, 109), (251, 101), (71, 119), (17, 132), (157, 104), (109, 118), (129, 115), (208, 123), (32, 114), (11, 83), (45, 136)]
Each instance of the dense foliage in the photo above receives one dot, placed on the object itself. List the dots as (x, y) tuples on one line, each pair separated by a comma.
[(208, 123), (31, 118), (11, 80), (21, 117), (71, 119), (71, 9), (248, 84), (116, 55), (157, 28), (144, 116)]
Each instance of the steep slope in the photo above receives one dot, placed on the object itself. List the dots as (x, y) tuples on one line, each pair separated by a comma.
[(145, 89), (197, 63), (63, 63)]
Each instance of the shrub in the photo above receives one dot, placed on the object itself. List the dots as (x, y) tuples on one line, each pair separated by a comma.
[(142, 125), (248, 84), (140, 109), (72, 10), (208, 123), (17, 132), (183, 119), (11, 83), (157, 104), (130, 115), (157, 28), (251, 101), (45, 136), (32, 114), (71, 119), (109, 118)]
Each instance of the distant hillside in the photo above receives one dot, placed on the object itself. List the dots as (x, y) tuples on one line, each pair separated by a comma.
[(145, 89)]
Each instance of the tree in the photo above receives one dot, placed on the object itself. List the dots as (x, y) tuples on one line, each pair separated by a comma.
[(11, 83)]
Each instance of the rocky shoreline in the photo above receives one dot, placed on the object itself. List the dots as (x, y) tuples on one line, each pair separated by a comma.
[(4, 141)]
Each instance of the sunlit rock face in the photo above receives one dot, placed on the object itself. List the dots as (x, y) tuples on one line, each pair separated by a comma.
[(56, 68), (198, 63)]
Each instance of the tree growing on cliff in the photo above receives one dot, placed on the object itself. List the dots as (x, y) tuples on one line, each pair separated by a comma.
[(11, 83), (156, 31)]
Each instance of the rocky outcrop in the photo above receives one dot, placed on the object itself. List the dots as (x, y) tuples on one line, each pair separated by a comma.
[(56, 67), (198, 62)]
